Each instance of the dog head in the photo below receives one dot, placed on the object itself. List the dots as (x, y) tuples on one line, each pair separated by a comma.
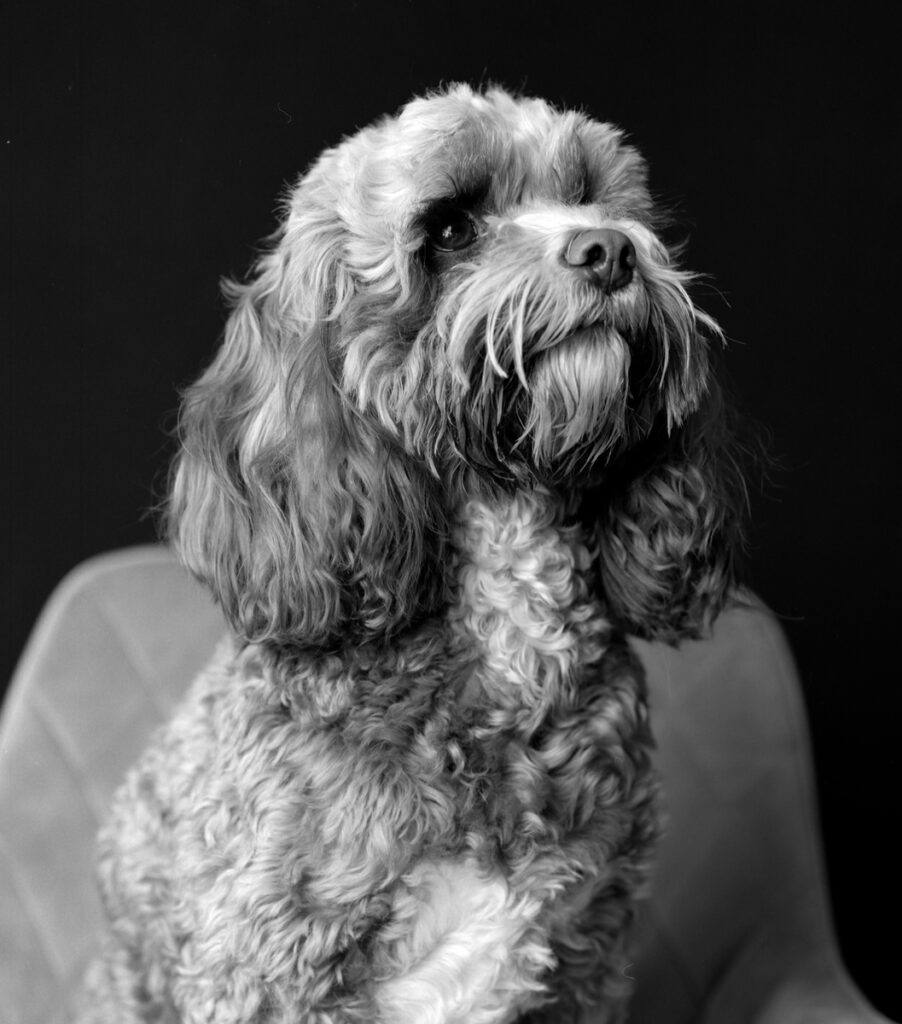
[(464, 298)]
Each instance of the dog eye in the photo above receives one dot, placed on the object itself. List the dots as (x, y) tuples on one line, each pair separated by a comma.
[(450, 229)]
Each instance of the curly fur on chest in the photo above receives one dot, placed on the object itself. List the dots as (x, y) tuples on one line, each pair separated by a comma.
[(420, 834)]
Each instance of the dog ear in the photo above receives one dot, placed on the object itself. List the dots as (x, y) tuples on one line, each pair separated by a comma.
[(671, 527), (305, 520)]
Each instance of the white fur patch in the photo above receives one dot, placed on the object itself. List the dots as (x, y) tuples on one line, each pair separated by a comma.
[(463, 948)]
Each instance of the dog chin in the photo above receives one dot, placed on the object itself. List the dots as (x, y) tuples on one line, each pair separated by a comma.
[(624, 312), (592, 359), (578, 395), (605, 331)]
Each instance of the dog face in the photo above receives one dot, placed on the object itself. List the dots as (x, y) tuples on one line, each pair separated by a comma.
[(497, 293), (465, 298)]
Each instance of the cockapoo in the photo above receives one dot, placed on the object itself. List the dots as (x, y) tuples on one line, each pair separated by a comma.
[(457, 443)]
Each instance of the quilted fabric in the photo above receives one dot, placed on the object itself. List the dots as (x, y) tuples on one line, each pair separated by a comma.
[(112, 651), (737, 925)]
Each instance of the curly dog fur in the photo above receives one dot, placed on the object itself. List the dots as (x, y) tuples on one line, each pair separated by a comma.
[(456, 444)]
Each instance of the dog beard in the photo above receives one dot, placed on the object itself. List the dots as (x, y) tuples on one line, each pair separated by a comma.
[(562, 377), (575, 406)]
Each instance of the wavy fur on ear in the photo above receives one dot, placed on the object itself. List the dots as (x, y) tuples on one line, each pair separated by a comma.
[(305, 519), (670, 520)]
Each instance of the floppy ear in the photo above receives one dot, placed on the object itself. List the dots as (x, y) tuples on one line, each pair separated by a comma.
[(670, 529), (304, 519)]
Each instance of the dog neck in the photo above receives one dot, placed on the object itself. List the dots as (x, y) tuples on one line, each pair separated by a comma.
[(523, 626), (526, 605)]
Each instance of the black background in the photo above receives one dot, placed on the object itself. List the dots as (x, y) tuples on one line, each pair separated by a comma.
[(143, 154)]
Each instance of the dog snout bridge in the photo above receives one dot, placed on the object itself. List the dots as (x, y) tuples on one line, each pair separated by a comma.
[(604, 254)]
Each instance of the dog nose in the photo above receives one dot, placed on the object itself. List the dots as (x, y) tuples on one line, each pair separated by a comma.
[(604, 253)]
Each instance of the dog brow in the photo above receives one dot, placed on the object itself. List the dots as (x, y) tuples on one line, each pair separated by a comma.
[(472, 180), (558, 167), (571, 168)]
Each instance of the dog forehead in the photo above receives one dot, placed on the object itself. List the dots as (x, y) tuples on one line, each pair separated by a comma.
[(462, 142), (492, 116), (494, 148), (465, 141)]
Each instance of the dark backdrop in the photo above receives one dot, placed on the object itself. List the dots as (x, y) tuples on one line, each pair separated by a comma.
[(146, 146)]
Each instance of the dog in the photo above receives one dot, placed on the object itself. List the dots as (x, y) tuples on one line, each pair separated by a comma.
[(461, 438)]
